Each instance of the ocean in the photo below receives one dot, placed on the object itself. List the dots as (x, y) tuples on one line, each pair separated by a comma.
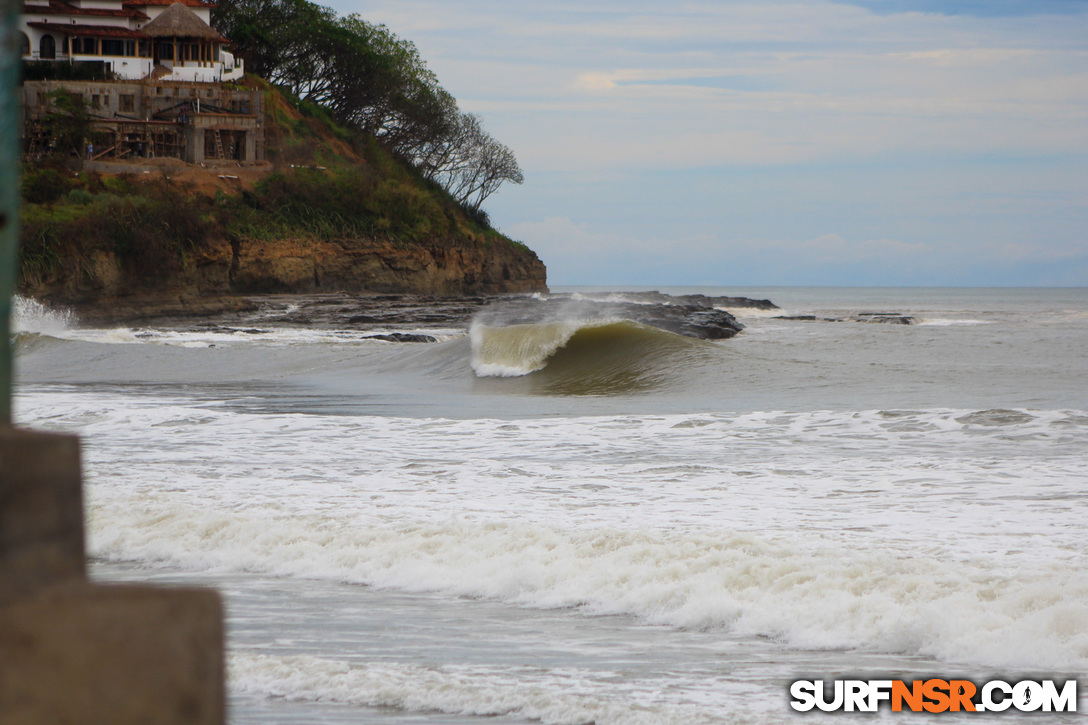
[(590, 520)]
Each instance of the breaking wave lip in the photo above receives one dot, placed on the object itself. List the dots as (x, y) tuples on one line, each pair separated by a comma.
[(508, 351), (32, 317)]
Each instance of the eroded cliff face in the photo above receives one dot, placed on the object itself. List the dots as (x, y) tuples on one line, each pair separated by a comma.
[(224, 272), (362, 265)]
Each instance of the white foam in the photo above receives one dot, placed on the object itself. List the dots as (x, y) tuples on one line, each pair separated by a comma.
[(753, 312), (547, 696), (32, 316), (951, 533), (951, 322), (807, 591)]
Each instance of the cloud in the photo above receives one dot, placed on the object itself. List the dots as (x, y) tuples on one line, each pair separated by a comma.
[(578, 86), (876, 133)]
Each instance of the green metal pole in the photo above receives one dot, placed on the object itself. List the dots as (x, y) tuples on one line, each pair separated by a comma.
[(9, 190)]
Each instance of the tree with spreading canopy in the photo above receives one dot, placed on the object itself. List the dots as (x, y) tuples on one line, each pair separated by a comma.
[(369, 79)]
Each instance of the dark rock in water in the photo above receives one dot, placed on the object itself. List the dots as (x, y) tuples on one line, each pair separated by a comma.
[(886, 318), (213, 327), (403, 337), (696, 299), (404, 315), (691, 320)]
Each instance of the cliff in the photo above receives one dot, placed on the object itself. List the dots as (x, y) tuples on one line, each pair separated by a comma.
[(327, 212)]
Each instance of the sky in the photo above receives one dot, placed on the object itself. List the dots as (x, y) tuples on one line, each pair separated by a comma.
[(767, 142)]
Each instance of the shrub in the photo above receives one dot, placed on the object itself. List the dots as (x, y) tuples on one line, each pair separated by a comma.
[(44, 185), (151, 230)]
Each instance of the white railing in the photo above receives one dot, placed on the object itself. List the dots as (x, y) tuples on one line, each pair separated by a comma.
[(131, 69)]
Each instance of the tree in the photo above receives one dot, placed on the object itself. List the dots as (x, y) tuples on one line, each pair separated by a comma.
[(371, 80), (469, 163), (68, 121)]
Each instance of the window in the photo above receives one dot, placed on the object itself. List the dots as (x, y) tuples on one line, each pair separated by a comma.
[(111, 46), (96, 101), (47, 49), (26, 44), (128, 102)]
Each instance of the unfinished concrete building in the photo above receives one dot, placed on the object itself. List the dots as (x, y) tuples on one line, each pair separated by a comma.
[(194, 122)]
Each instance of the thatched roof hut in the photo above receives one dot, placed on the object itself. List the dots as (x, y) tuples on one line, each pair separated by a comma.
[(178, 21)]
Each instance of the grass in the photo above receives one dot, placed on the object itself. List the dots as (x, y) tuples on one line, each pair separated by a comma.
[(150, 227)]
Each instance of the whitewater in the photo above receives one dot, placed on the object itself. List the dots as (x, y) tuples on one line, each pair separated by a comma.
[(592, 519)]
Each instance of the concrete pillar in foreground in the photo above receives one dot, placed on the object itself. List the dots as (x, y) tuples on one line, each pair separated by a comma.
[(76, 652)]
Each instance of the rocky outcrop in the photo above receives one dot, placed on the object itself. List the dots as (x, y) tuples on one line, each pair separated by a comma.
[(683, 315), (362, 265), (223, 273)]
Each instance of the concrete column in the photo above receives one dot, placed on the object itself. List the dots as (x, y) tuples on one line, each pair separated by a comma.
[(194, 141), (41, 512), (79, 653)]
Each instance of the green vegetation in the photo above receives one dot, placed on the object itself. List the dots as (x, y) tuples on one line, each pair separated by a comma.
[(369, 80), (345, 185), (148, 226)]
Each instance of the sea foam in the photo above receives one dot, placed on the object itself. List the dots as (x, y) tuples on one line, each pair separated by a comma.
[(559, 697), (807, 592), (954, 534)]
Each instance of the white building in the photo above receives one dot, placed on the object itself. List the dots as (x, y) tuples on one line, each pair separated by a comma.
[(164, 39)]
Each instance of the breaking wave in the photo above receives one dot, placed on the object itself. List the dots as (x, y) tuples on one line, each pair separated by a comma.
[(32, 317), (583, 357), (515, 350), (810, 592)]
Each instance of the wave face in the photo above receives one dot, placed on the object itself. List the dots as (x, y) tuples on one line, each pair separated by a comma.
[(585, 346), (514, 350), (586, 358)]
